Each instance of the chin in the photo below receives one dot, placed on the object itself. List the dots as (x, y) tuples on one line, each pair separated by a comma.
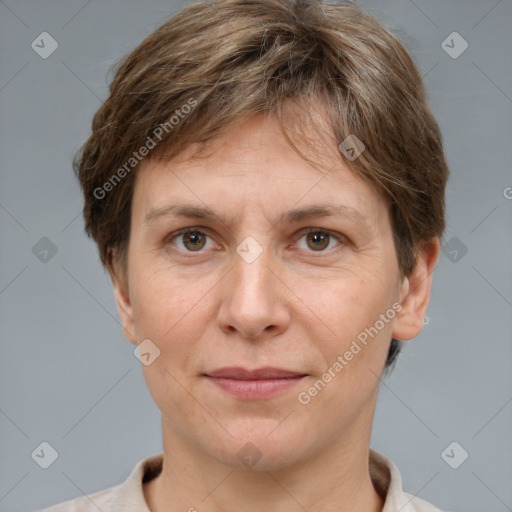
[(260, 448)]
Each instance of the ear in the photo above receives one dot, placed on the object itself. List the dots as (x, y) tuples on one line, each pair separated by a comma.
[(415, 293), (122, 296)]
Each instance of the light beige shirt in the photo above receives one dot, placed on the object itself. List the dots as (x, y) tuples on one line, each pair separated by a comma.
[(129, 497)]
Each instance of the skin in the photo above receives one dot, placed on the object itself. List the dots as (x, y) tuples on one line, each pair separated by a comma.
[(297, 306)]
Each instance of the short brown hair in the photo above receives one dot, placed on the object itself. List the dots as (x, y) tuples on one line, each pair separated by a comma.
[(229, 59)]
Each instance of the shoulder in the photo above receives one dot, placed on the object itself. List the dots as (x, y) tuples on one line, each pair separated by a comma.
[(102, 500), (415, 504), (127, 496), (387, 481)]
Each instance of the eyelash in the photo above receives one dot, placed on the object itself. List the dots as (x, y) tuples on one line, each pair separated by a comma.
[(341, 239)]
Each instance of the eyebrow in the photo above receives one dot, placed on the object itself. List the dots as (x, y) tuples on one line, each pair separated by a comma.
[(292, 216)]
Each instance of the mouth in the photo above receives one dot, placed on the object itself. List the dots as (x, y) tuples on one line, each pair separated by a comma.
[(254, 384)]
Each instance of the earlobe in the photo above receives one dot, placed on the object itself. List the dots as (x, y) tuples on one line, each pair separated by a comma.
[(124, 306), (415, 293)]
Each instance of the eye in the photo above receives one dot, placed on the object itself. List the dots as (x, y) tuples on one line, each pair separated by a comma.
[(318, 240), (193, 239)]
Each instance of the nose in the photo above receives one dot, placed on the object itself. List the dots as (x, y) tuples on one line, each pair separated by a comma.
[(253, 300)]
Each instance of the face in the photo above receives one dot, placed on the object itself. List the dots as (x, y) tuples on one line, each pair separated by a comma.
[(232, 264)]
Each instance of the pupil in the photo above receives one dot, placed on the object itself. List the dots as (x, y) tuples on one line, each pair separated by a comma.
[(319, 238), (194, 240)]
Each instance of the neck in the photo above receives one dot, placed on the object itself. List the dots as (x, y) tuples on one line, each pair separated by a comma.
[(337, 479)]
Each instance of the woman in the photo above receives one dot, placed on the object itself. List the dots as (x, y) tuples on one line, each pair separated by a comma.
[(265, 184)]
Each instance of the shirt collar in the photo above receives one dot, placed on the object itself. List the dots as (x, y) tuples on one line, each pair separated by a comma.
[(383, 472)]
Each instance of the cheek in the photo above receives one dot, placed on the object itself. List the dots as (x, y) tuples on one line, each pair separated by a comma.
[(351, 310), (173, 319), (347, 304), (172, 315), (165, 304), (352, 355)]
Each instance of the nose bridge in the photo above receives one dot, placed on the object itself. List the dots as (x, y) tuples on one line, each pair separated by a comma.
[(251, 300), (251, 277)]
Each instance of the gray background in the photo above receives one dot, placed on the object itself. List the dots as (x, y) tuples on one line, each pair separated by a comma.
[(68, 376)]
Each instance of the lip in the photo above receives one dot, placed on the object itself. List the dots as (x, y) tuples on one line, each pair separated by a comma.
[(254, 384), (239, 373)]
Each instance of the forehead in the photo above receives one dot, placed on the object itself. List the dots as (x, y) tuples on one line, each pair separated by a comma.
[(254, 167)]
